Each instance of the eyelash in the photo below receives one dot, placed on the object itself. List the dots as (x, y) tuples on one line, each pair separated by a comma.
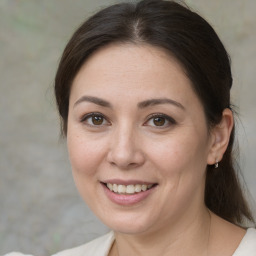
[(167, 118), (86, 117), (170, 120)]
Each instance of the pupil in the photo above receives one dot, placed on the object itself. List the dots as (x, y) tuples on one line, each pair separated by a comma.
[(97, 120), (159, 121)]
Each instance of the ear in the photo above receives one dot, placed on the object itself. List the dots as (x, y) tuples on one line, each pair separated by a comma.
[(220, 137)]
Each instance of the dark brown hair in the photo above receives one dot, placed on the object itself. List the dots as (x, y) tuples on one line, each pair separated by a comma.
[(192, 41)]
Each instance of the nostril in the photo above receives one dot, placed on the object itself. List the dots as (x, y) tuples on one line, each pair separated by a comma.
[(125, 158), (133, 165)]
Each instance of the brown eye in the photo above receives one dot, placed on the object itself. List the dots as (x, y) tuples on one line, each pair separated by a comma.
[(97, 120), (159, 121)]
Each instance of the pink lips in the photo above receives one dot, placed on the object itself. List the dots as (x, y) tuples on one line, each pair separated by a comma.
[(125, 199)]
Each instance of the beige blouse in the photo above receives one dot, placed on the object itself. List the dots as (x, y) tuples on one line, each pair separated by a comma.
[(101, 246)]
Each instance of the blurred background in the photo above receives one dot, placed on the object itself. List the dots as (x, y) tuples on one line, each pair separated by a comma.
[(40, 209)]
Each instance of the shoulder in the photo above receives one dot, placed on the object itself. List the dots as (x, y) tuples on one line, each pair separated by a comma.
[(247, 247), (99, 246)]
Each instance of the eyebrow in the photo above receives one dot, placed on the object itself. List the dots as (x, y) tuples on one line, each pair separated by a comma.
[(143, 104), (153, 102), (94, 100)]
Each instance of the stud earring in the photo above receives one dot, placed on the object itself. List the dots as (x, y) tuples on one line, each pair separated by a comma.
[(216, 165)]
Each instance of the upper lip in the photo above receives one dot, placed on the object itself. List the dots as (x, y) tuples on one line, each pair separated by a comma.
[(127, 182)]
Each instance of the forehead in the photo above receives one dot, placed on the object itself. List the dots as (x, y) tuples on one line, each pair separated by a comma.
[(139, 70), (125, 60)]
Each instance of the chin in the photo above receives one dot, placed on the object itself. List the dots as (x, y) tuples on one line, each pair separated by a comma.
[(128, 224)]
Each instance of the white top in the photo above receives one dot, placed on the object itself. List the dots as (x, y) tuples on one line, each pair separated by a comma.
[(102, 245)]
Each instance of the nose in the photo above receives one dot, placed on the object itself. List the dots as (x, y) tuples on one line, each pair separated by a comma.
[(125, 151)]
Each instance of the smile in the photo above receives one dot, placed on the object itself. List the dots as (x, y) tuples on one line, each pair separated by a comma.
[(128, 193), (129, 189)]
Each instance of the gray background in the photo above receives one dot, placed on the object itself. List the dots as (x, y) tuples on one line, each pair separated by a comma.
[(40, 210)]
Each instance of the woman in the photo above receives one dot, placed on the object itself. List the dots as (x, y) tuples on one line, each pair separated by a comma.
[(143, 91)]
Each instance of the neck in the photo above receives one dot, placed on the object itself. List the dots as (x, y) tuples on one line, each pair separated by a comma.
[(189, 236)]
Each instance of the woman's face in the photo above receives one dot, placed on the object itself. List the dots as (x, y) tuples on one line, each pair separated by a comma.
[(137, 139)]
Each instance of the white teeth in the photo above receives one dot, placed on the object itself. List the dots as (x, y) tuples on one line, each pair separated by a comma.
[(144, 187), (110, 186), (121, 189), (137, 188), (115, 188), (129, 189)]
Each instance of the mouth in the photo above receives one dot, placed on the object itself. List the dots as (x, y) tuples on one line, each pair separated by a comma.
[(129, 189)]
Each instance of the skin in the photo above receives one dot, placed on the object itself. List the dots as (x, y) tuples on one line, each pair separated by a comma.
[(129, 144)]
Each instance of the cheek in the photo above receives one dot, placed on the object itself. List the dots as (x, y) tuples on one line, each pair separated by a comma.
[(181, 165), (84, 155), (181, 154)]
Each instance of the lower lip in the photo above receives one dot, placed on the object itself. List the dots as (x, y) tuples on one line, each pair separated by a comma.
[(124, 199)]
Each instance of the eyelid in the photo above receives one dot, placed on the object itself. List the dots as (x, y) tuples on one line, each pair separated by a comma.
[(167, 117), (91, 114)]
